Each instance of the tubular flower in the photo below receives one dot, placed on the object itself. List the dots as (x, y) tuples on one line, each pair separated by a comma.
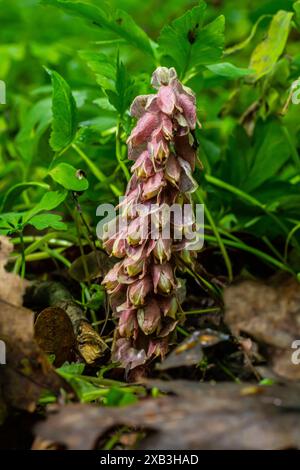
[(145, 294)]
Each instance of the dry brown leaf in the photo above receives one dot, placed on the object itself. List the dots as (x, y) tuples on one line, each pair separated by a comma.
[(271, 315), (203, 416), (12, 287), (190, 351), (90, 266), (27, 372), (54, 297)]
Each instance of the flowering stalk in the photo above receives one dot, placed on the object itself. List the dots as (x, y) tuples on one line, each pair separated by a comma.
[(145, 294)]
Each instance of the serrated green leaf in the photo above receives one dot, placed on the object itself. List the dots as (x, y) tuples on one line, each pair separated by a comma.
[(118, 22), (38, 119), (113, 79), (189, 44), (228, 70), (66, 175), (43, 221), (64, 122), (266, 54), (270, 153), (49, 201), (67, 370), (10, 221)]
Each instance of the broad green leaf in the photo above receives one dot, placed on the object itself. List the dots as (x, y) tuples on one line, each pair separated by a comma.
[(102, 66), (13, 192), (43, 221), (118, 22), (49, 201), (38, 119), (113, 79), (296, 7), (68, 370), (266, 54), (228, 70), (118, 397), (67, 176), (189, 43), (104, 104), (64, 122)]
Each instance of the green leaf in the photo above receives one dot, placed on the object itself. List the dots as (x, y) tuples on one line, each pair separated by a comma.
[(49, 201), (122, 97), (296, 7), (102, 66), (266, 54), (189, 44), (64, 122), (118, 22), (243, 44), (113, 79), (43, 221), (67, 176), (228, 70), (97, 297), (271, 152), (67, 370)]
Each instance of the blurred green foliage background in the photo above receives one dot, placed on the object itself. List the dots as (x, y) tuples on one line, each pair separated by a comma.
[(250, 136)]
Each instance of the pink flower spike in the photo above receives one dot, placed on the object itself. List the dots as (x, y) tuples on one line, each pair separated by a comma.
[(162, 250), (145, 296), (143, 166)]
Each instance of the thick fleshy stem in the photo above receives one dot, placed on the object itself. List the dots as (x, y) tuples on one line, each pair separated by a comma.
[(145, 293)]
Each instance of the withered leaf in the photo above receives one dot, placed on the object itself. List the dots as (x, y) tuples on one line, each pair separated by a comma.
[(53, 332), (90, 266), (271, 315), (27, 372), (12, 287), (203, 416), (190, 351)]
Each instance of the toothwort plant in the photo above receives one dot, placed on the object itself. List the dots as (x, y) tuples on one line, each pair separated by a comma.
[(145, 293)]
